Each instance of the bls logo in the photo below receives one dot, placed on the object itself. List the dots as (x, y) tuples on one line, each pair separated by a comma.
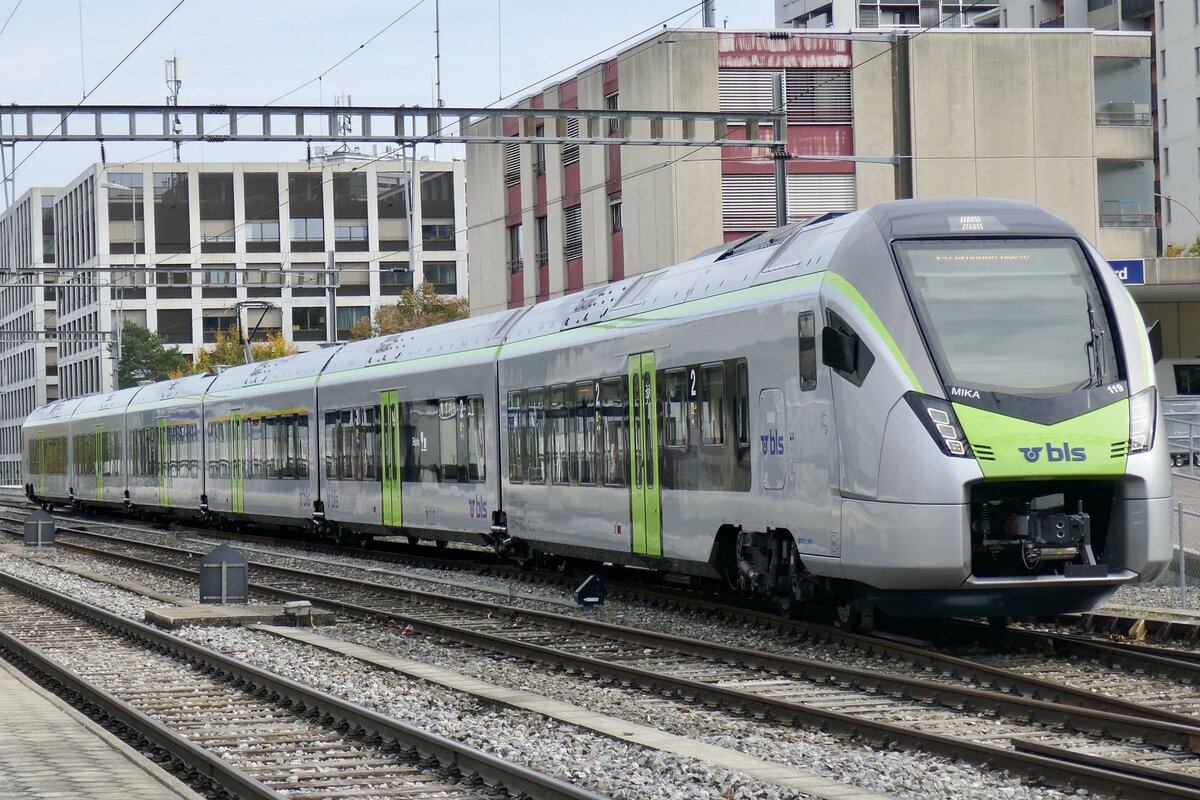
[(1064, 453), (772, 443), (478, 508)]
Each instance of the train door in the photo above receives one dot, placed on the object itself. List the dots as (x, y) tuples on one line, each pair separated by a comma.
[(812, 457), (643, 431), (392, 447), (237, 463), (98, 450), (164, 454)]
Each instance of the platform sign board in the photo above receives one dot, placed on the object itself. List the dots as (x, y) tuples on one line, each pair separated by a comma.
[(1131, 271)]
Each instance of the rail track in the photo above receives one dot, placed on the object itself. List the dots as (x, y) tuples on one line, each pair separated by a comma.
[(251, 733), (1075, 739)]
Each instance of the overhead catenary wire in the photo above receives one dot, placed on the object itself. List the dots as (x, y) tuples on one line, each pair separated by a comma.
[(11, 14)]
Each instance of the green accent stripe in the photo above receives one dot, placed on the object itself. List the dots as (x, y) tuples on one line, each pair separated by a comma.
[(854, 296)]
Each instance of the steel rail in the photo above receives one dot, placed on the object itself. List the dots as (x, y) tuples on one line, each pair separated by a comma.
[(448, 753), (1114, 778)]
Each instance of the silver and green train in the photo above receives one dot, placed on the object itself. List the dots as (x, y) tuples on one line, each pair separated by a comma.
[(932, 407)]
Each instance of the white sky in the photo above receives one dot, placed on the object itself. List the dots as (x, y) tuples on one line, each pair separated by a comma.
[(251, 52)]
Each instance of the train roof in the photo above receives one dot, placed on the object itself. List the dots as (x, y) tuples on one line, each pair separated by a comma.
[(98, 403), (187, 387), (977, 216), (301, 366), (58, 411), (460, 336)]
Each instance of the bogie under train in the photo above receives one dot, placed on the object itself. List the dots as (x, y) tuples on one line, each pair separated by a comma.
[(933, 407)]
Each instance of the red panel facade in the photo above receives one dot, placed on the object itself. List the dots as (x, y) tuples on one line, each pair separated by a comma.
[(575, 275), (781, 50), (516, 289), (618, 255)]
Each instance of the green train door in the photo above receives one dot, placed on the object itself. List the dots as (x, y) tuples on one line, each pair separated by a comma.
[(643, 433), (237, 463), (98, 449), (164, 453), (392, 447)]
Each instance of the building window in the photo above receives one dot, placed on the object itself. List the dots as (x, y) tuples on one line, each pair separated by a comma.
[(539, 151), (570, 152), (306, 210), (348, 316), (512, 164), (1197, 53), (212, 325), (308, 319), (175, 325), (350, 237), (1162, 63), (1162, 123), (437, 237), (514, 248), (614, 212), (216, 196), (573, 233), (611, 103), (442, 275), (350, 196), (395, 277), (437, 194), (1166, 161), (172, 223), (542, 232)]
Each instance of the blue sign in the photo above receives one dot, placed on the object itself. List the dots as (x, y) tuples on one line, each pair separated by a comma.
[(1131, 271)]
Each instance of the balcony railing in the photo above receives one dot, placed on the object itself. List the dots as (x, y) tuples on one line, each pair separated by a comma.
[(516, 266), (1124, 214), (1057, 22), (1124, 113)]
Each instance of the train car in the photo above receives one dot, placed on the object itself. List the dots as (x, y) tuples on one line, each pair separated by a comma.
[(46, 444), (259, 422), (164, 447), (932, 407), (99, 464), (409, 432)]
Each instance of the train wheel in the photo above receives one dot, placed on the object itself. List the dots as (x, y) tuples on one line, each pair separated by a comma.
[(413, 540), (788, 607), (854, 615)]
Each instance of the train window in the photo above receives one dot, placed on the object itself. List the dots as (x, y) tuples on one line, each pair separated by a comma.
[(448, 431), (476, 451), (331, 444), (586, 424), (421, 461), (302, 445), (741, 406), (712, 405), (346, 444), (270, 449), (560, 454), (370, 439), (615, 415), (535, 441), (808, 352), (516, 439), (675, 427)]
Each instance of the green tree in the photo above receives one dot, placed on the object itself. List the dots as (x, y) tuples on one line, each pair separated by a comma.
[(1178, 250), (227, 351), (415, 309), (145, 356)]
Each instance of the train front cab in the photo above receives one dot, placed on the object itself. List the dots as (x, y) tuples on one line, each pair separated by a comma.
[(1019, 471)]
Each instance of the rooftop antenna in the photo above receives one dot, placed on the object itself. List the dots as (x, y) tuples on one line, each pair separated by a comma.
[(173, 84), (437, 50), (344, 126)]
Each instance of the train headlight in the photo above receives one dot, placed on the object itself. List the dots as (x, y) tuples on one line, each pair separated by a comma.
[(1143, 416), (939, 419)]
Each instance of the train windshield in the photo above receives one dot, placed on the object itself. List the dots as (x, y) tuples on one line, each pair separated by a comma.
[(1018, 316)]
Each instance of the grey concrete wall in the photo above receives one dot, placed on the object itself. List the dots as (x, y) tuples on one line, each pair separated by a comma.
[(874, 123)]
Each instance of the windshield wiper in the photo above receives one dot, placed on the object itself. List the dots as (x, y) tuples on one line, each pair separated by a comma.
[(1096, 346)]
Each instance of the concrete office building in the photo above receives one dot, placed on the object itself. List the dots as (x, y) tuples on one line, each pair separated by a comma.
[(28, 363), (216, 244), (846, 14), (1013, 114)]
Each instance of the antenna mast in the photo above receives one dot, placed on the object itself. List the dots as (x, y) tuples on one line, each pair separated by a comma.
[(173, 84), (437, 50)]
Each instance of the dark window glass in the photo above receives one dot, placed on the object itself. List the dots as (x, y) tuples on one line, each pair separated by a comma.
[(308, 319), (808, 352), (262, 197), (422, 442), (395, 277), (438, 237), (350, 196), (516, 437), (390, 187), (712, 405), (535, 445), (675, 423), (346, 317), (741, 406), (211, 325), (443, 276), (476, 446), (559, 420), (1187, 378), (175, 324), (615, 415), (122, 205), (437, 194), (171, 219), (216, 196)]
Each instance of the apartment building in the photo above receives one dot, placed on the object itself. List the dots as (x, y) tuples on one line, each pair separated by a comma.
[(846, 14), (189, 249), (872, 116)]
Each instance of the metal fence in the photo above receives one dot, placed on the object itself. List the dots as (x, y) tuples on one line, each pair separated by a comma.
[(1181, 417)]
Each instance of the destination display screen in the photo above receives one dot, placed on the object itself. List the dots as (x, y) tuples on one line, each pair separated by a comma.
[(1019, 316)]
